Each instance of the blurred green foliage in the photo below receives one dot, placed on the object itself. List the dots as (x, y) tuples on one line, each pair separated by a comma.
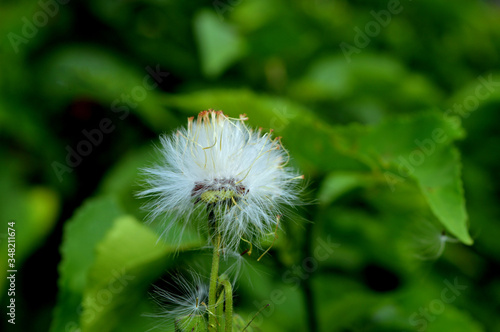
[(397, 137)]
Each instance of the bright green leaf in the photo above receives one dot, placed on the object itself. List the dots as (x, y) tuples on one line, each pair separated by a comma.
[(338, 183), (128, 259), (82, 233), (218, 42)]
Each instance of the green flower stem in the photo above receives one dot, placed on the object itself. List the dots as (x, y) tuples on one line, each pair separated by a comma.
[(228, 291), (220, 310), (214, 274)]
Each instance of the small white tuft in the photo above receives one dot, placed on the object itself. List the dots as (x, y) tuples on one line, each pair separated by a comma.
[(218, 165), (429, 240), (180, 307)]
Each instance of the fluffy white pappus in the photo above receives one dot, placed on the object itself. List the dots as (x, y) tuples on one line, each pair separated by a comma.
[(221, 166), (429, 240), (235, 263), (183, 305)]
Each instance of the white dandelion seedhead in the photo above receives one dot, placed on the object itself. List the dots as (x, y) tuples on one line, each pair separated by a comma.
[(220, 166), (185, 305)]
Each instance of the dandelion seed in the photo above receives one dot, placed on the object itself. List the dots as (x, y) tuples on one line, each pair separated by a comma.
[(234, 263), (182, 307), (429, 240), (218, 164)]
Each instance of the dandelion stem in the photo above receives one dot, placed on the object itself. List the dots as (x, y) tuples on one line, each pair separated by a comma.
[(228, 291), (214, 275), (220, 310)]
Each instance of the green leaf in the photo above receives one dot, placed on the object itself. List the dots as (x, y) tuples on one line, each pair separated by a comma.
[(128, 259), (337, 184), (81, 234), (121, 180), (218, 42), (34, 213), (417, 147), (441, 183)]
